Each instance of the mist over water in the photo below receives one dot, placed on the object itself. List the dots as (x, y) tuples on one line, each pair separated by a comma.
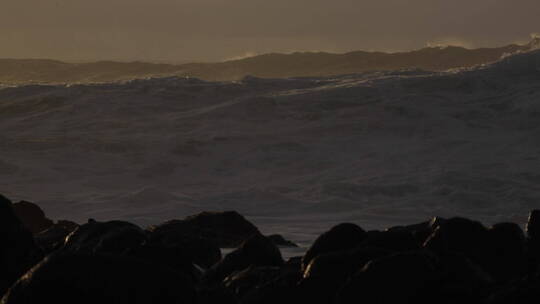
[(214, 30)]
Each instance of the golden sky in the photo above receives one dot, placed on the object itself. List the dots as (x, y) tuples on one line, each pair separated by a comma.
[(211, 30)]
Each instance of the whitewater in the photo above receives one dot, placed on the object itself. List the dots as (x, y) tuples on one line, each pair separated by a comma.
[(295, 156)]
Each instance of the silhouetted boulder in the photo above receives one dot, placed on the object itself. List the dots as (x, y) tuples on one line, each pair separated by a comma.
[(54, 237), (280, 241), (533, 241), (460, 280), (399, 278), (32, 216), (327, 272), (420, 231), (526, 291), (68, 225), (127, 240), (392, 240), (282, 288), (256, 251), (340, 265), (201, 251), (171, 258), (448, 261), (223, 229), (114, 237), (244, 281), (533, 225), (215, 294), (18, 252), (92, 279), (500, 251), (463, 236), (294, 264), (340, 238), (507, 258), (317, 290)]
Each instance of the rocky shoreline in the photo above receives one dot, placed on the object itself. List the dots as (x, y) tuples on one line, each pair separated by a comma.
[(453, 260)]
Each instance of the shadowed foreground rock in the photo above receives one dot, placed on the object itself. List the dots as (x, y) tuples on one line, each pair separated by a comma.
[(507, 259), (90, 279), (256, 251), (341, 237), (54, 237), (533, 240), (202, 251), (126, 240), (114, 237), (443, 261), (399, 278), (18, 251)]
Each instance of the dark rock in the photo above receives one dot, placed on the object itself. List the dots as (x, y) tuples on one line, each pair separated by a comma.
[(446, 261), (91, 279), (392, 240), (533, 225), (114, 237), (340, 238), (420, 231), (533, 241), (32, 217), (327, 272), (18, 251), (256, 251), (223, 229), (460, 280), (68, 225), (399, 278), (54, 237), (244, 281), (436, 222), (215, 294), (280, 241), (294, 264), (338, 266), (317, 290), (124, 239), (127, 240), (277, 291), (201, 251), (280, 289), (460, 235), (173, 259), (507, 258), (500, 250), (519, 292)]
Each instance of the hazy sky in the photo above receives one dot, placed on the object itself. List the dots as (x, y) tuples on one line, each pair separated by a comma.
[(210, 30)]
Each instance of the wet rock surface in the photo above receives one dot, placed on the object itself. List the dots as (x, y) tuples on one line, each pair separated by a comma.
[(54, 237)]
